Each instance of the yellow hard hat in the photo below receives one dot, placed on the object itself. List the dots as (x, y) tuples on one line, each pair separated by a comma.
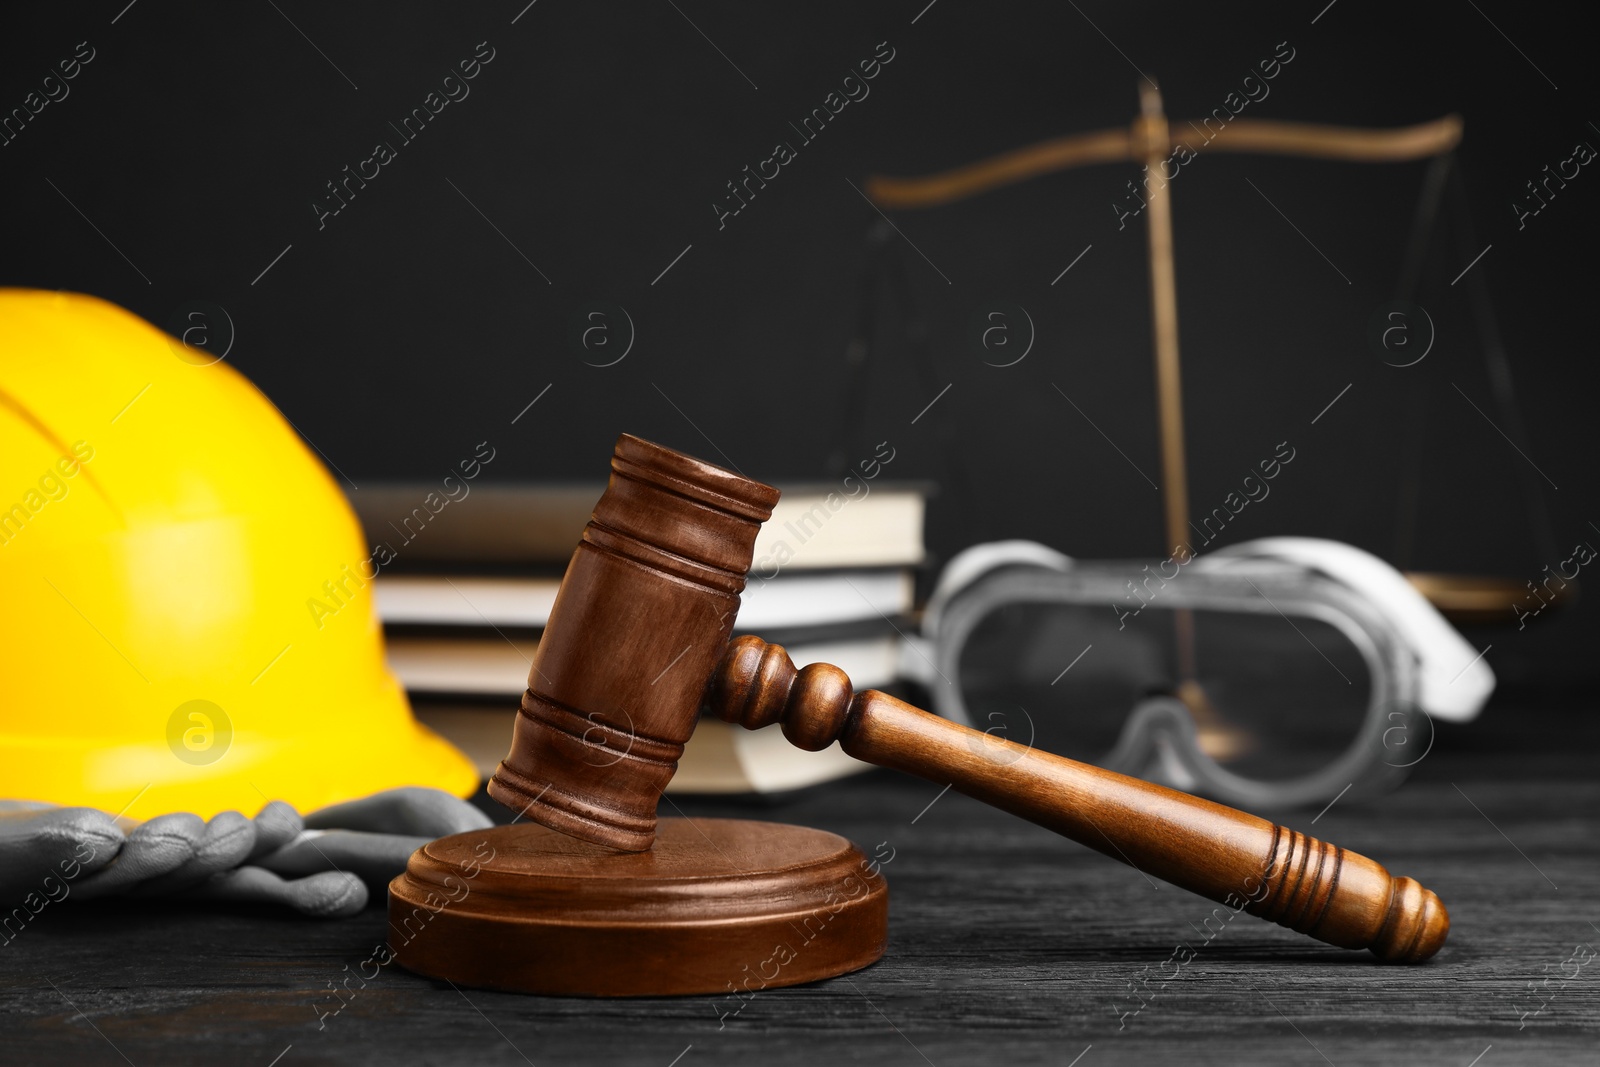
[(163, 536)]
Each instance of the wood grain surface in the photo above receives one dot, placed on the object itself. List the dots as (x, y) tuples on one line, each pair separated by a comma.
[(1007, 944)]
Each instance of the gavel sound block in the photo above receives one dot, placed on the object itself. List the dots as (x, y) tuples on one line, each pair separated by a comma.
[(637, 643)]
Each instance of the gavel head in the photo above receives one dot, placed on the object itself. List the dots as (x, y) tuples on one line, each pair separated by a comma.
[(642, 618)]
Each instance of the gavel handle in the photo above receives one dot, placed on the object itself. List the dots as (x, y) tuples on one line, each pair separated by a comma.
[(1231, 857)]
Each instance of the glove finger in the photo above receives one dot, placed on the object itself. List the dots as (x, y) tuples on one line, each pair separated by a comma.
[(276, 825), (375, 858), (40, 848), (409, 810), (163, 844), (227, 841), (326, 895)]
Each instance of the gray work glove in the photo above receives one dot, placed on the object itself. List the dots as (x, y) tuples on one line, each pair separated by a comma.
[(323, 865), (370, 839), (45, 850)]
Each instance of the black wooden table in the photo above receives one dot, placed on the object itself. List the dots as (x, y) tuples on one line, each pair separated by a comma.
[(1008, 945)]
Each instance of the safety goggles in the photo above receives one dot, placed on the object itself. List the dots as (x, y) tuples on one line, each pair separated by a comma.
[(1259, 682)]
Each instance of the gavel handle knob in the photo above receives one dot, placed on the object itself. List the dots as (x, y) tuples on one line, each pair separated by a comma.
[(1242, 861)]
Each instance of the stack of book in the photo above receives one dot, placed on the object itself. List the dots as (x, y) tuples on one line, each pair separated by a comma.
[(469, 588)]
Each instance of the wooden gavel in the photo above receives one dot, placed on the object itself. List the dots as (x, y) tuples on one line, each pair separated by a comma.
[(638, 641)]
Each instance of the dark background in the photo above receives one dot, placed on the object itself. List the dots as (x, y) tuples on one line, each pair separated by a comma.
[(409, 329)]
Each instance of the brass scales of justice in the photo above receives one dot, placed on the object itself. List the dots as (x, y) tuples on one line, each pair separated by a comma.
[(1150, 141)]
